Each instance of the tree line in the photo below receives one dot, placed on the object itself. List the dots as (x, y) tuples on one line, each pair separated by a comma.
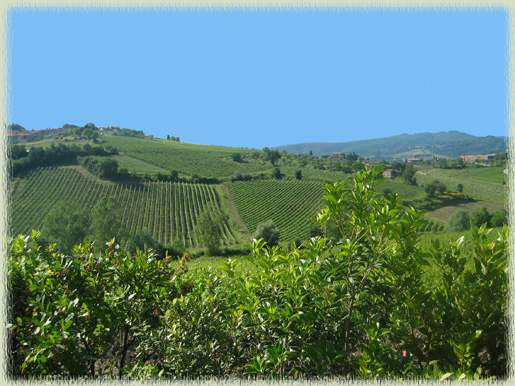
[(23, 158)]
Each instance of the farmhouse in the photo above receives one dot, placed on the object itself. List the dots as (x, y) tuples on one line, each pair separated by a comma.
[(473, 158), (387, 173)]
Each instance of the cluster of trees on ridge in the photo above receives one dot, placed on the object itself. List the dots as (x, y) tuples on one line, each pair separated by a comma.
[(88, 132), (23, 158)]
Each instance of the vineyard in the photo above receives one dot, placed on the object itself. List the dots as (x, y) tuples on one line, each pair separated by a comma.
[(168, 210), (186, 158), (136, 166), (288, 203)]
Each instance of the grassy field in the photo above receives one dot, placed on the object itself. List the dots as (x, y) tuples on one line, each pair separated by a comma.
[(443, 213), (397, 185), (488, 174), (430, 271), (485, 184)]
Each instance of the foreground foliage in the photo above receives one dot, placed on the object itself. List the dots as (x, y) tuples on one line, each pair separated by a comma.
[(351, 306)]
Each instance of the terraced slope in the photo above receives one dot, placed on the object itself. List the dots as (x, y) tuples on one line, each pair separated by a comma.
[(288, 203), (168, 210)]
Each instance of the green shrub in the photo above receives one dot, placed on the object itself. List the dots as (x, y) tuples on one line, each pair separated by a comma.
[(499, 218), (481, 217), (458, 221), (355, 308), (268, 232)]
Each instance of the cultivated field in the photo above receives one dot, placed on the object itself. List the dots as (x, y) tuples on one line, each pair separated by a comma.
[(168, 210), (188, 159), (288, 203)]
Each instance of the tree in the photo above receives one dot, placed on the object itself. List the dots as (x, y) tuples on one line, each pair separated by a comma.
[(36, 155), (457, 163), (409, 175), (459, 221), (17, 151), (16, 127), (298, 175), (209, 231), (268, 232), (271, 155), (277, 174), (481, 217), (433, 187), (459, 188), (142, 240), (352, 157), (67, 224), (499, 218), (236, 157), (174, 175), (314, 230), (106, 223), (108, 169)]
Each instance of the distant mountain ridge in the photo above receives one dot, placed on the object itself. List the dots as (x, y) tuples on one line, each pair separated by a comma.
[(423, 145)]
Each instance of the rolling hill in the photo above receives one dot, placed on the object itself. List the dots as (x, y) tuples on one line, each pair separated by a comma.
[(211, 178), (423, 145)]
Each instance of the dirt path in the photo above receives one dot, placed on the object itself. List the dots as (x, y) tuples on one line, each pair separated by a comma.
[(234, 213), (87, 174)]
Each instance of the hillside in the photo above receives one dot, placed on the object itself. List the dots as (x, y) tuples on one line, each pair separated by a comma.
[(423, 145), (186, 158), (288, 203), (168, 210), (164, 186)]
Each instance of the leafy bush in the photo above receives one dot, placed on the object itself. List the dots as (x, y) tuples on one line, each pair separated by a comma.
[(67, 224), (499, 218), (353, 307), (433, 187), (481, 217), (142, 240), (277, 174), (209, 230), (71, 313), (268, 232), (458, 221)]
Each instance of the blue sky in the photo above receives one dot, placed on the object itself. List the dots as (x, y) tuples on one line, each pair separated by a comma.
[(261, 78)]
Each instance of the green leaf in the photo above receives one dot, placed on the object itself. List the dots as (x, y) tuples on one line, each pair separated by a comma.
[(445, 376)]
